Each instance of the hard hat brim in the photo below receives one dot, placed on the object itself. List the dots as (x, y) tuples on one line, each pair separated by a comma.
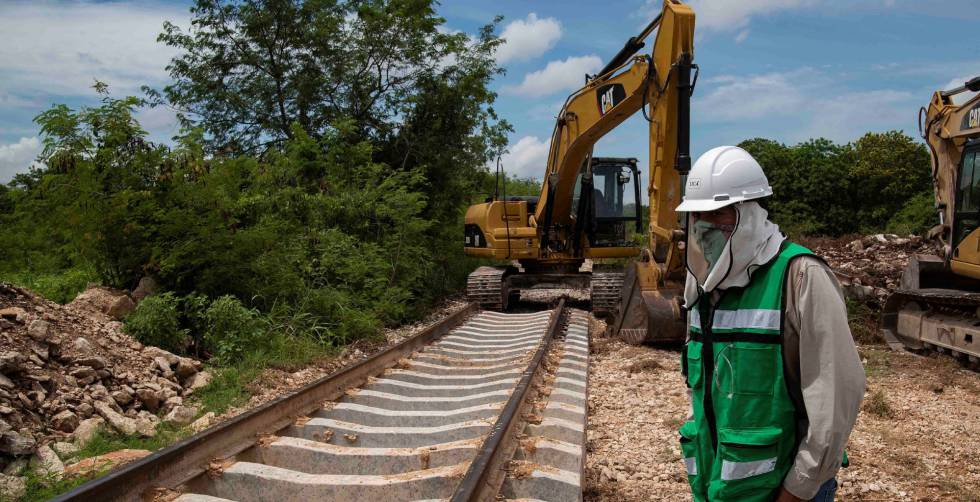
[(690, 206)]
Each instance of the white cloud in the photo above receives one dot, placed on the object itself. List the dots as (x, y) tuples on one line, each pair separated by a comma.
[(557, 76), (802, 104), (957, 82), (847, 116), (60, 47), (728, 15), (527, 158), (730, 98), (742, 35), (528, 38), (18, 157)]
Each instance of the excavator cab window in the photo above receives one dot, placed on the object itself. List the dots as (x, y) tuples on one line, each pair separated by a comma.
[(612, 205), (967, 216)]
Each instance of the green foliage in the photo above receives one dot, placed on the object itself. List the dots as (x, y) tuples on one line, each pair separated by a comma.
[(917, 215), (232, 329), (106, 441), (61, 286), (523, 186), (156, 321), (44, 486), (822, 188)]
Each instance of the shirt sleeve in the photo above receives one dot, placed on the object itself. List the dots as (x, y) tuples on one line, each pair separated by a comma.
[(831, 375)]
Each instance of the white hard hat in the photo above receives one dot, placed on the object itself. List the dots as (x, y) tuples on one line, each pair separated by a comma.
[(721, 176)]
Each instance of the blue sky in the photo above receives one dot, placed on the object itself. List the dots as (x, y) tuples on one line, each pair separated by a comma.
[(783, 69)]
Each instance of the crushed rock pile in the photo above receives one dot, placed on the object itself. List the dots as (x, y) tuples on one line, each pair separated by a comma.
[(870, 267), (67, 370)]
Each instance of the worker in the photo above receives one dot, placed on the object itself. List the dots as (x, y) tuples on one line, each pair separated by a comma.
[(774, 377)]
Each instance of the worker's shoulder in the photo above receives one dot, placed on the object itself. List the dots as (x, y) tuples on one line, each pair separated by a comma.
[(809, 265)]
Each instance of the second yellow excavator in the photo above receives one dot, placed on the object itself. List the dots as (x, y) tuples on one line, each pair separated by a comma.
[(582, 212), (938, 304)]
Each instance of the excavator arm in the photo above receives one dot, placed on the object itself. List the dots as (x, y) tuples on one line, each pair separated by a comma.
[(660, 82)]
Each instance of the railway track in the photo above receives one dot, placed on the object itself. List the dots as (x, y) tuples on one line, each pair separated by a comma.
[(480, 406)]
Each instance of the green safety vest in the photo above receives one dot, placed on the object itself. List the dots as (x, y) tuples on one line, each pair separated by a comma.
[(743, 438)]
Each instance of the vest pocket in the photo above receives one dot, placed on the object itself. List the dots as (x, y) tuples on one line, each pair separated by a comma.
[(693, 358), (748, 459), (757, 367)]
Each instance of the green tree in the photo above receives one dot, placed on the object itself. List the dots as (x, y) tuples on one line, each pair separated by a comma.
[(249, 69), (891, 169)]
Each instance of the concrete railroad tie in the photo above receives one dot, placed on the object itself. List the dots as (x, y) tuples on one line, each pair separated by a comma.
[(408, 434), (550, 462)]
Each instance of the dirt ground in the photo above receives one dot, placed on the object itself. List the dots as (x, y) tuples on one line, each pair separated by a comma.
[(917, 437)]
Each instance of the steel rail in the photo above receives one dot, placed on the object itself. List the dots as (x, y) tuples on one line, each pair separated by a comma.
[(179, 463), (486, 473)]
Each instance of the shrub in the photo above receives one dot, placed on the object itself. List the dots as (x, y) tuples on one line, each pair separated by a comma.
[(233, 329), (877, 404), (61, 287), (916, 216), (156, 321)]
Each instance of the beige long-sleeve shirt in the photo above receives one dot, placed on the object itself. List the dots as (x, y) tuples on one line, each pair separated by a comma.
[(823, 363)]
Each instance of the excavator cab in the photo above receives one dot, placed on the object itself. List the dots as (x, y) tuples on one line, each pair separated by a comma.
[(613, 207)]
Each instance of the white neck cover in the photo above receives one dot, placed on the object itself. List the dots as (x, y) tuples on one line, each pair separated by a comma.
[(755, 242)]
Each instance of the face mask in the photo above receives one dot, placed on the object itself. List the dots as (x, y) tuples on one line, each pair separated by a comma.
[(710, 239)]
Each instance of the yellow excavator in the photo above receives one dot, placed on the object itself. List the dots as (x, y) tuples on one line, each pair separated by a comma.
[(938, 303), (582, 212)]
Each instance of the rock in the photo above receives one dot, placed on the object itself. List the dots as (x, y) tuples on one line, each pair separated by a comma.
[(122, 397), (149, 398), (105, 462), (41, 350), (11, 362), (124, 425), (163, 367), (185, 368), (65, 421), (6, 410), (93, 362), (47, 463), (12, 487), (856, 245), (87, 430), (64, 450), (146, 287), (85, 410), (40, 330), (120, 308), (6, 383), (113, 303), (15, 443), (155, 352), (82, 346), (202, 423), (16, 468), (197, 381), (14, 314), (181, 415)]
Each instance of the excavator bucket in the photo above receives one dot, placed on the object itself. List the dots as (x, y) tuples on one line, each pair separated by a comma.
[(649, 315)]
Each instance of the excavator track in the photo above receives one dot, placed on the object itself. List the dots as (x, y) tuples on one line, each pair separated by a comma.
[(487, 288), (949, 301), (605, 291)]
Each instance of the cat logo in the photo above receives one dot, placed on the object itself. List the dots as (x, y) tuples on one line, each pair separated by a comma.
[(971, 119), (608, 96)]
